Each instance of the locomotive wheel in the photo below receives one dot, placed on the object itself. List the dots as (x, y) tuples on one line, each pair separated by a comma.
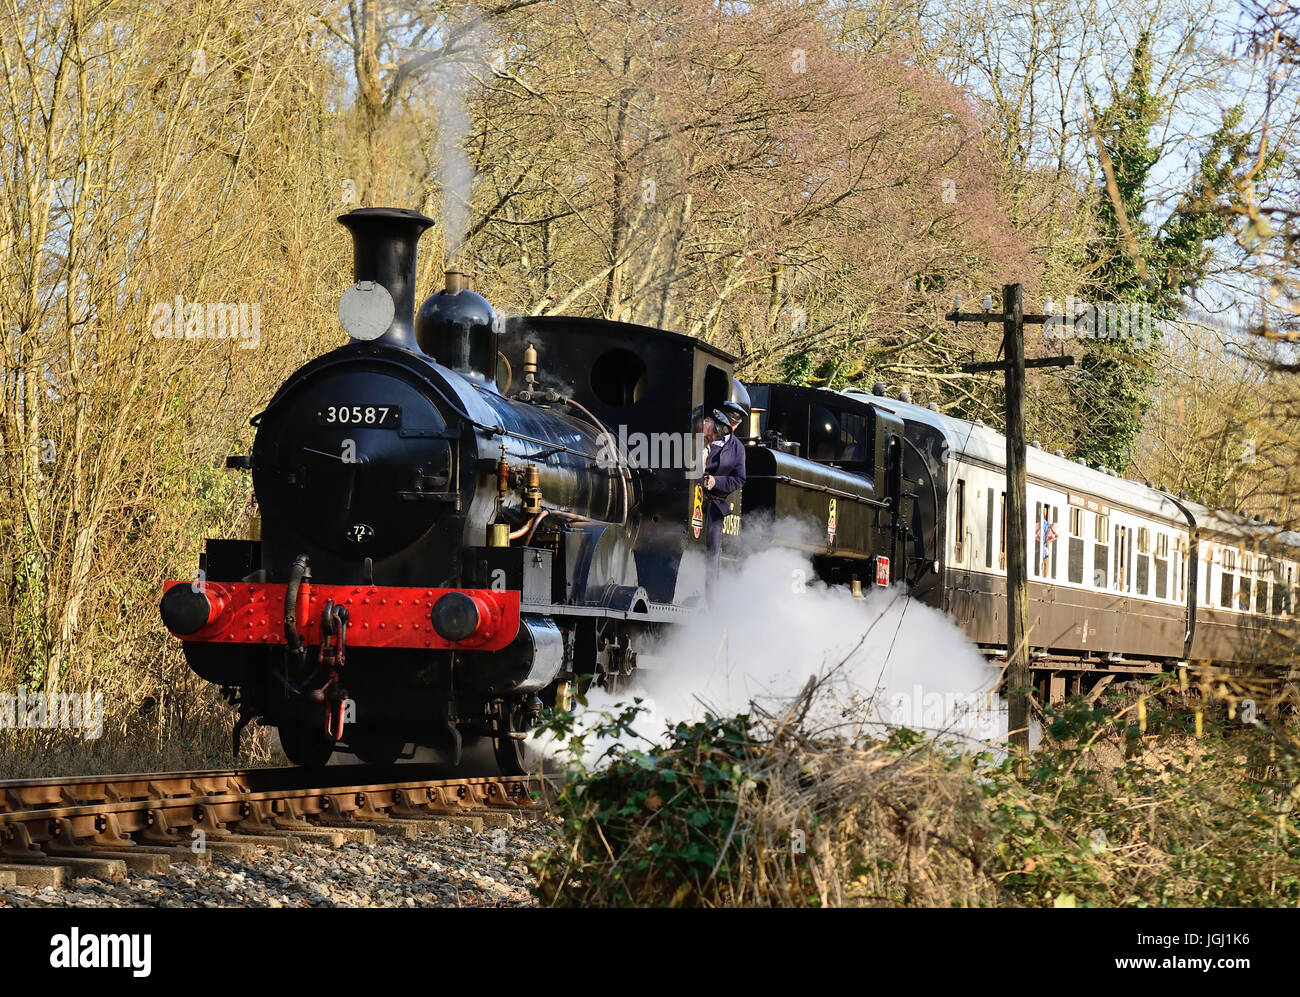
[(306, 746), (507, 743)]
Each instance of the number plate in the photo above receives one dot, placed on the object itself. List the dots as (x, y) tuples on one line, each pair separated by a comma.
[(374, 416)]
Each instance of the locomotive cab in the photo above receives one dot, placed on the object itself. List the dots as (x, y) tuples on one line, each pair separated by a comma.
[(835, 474), (641, 385)]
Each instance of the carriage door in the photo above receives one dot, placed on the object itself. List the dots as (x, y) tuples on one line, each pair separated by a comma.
[(898, 517)]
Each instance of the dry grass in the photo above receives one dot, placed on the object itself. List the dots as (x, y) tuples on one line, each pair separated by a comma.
[(144, 743), (882, 827)]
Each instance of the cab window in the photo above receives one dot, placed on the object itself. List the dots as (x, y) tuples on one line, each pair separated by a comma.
[(825, 435)]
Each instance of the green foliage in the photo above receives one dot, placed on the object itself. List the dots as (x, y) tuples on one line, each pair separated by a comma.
[(1130, 262), (799, 367), (671, 811), (1112, 394), (1177, 822), (28, 636)]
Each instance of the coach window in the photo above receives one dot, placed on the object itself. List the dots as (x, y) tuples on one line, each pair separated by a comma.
[(1162, 566), (1002, 535), (1100, 552), (1044, 540), (988, 534), (1207, 597), (1281, 589), (1245, 582), (1039, 545), (1228, 566), (1180, 570), (1207, 559), (959, 521), (1184, 568), (1052, 537), (1262, 571), (1075, 565), (1122, 555), (1143, 560)]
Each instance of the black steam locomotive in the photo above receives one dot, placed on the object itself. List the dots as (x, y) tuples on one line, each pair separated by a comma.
[(461, 519)]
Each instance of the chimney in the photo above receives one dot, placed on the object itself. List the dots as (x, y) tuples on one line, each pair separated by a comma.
[(383, 251)]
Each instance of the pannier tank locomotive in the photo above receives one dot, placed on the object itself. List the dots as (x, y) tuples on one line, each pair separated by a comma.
[(450, 535), (462, 520)]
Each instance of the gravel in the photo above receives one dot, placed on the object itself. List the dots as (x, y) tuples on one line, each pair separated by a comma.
[(456, 868)]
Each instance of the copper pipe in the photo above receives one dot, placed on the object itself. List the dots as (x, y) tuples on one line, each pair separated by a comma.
[(572, 517), (537, 521), (531, 524)]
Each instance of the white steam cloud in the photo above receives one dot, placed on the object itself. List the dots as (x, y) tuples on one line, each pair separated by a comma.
[(452, 78), (885, 661)]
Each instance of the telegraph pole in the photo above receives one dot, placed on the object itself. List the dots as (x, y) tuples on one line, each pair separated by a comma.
[(1013, 366)]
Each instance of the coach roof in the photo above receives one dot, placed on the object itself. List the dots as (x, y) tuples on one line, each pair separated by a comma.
[(971, 441)]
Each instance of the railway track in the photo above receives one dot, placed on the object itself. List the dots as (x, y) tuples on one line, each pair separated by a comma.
[(58, 829)]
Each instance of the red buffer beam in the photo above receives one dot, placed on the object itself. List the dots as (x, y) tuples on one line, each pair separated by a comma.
[(378, 616)]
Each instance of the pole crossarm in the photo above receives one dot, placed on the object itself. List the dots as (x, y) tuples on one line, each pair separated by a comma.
[(1000, 317), (976, 368)]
